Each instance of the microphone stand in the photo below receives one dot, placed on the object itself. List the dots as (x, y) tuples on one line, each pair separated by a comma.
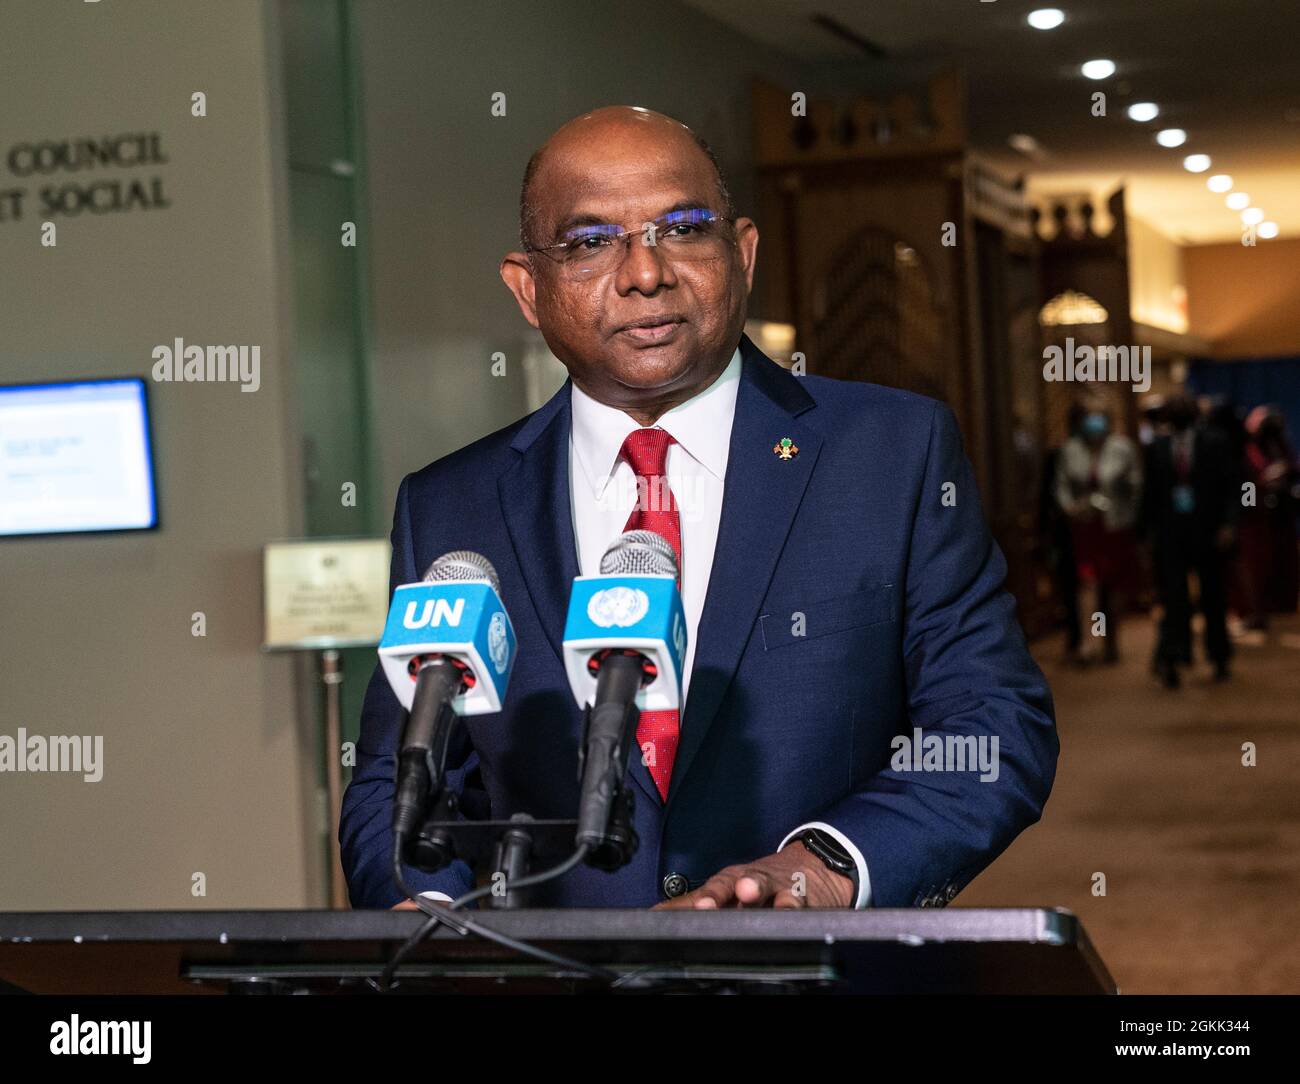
[(513, 856), (603, 827)]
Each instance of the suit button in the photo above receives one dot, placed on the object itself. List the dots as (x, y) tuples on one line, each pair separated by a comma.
[(951, 893), (674, 885)]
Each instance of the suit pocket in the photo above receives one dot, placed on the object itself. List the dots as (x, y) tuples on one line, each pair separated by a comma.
[(785, 625)]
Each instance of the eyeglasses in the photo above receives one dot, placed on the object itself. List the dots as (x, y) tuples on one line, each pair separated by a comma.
[(587, 252)]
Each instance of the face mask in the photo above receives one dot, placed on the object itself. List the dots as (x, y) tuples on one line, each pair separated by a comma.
[(1095, 425)]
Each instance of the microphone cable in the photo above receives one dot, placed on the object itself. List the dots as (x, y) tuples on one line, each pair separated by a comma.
[(447, 914)]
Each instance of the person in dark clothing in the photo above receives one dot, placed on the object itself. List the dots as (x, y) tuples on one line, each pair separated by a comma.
[(1057, 550), (1269, 572), (1058, 543), (1221, 413), (1191, 506)]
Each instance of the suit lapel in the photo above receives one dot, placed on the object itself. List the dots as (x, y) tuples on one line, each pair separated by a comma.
[(535, 504), (761, 496)]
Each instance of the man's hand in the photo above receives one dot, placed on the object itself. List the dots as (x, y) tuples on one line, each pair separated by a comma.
[(405, 905), (793, 877)]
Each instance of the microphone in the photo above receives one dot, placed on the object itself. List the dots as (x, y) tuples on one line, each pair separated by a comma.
[(447, 650), (624, 643)]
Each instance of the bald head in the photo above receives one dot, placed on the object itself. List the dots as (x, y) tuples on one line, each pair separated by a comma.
[(643, 324), (581, 142)]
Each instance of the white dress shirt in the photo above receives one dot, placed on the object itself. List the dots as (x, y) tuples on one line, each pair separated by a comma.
[(603, 493), (603, 487)]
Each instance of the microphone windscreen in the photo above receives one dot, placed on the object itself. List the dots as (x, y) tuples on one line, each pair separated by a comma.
[(463, 565), (639, 553)]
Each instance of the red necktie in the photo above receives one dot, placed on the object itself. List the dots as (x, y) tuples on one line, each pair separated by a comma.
[(656, 510)]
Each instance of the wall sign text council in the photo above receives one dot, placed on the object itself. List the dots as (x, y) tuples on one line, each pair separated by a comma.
[(108, 195)]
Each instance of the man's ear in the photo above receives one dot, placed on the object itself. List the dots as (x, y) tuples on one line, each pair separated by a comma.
[(517, 274), (747, 245)]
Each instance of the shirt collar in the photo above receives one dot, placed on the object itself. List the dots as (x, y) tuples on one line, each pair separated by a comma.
[(701, 425)]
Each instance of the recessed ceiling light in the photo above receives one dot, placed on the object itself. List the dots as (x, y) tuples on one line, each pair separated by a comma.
[(1143, 111), (1220, 182), (1025, 144), (1238, 201), (1196, 163), (1252, 216), (1046, 18), (1171, 137), (1267, 230), (1098, 69)]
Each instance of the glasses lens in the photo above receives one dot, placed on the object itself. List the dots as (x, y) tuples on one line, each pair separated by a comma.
[(595, 251), (691, 235), (680, 237)]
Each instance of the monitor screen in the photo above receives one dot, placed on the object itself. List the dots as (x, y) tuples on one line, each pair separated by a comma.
[(75, 457)]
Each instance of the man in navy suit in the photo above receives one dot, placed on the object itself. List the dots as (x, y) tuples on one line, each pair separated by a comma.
[(863, 725)]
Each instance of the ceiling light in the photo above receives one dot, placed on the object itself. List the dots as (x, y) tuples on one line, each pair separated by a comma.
[(1143, 111), (1098, 69), (1046, 18), (1025, 144), (1267, 230), (1196, 163), (1238, 201), (1220, 182), (1252, 216), (1171, 137)]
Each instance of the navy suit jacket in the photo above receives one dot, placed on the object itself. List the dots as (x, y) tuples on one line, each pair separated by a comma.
[(906, 624)]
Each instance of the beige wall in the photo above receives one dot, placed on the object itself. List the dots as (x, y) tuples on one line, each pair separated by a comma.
[(205, 768), (1246, 301), (1157, 281)]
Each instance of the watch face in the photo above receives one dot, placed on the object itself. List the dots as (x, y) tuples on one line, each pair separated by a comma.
[(828, 849)]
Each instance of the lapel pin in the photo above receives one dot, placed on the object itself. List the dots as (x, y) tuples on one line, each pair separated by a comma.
[(785, 448)]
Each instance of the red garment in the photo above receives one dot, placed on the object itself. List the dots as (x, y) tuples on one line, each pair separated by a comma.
[(1106, 557), (1267, 576), (1103, 556), (656, 510)]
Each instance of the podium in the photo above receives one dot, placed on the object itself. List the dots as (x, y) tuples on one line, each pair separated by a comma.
[(948, 951)]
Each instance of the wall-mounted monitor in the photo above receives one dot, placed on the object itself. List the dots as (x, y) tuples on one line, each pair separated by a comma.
[(76, 456)]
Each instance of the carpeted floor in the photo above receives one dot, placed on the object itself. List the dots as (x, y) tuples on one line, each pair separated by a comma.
[(1201, 855)]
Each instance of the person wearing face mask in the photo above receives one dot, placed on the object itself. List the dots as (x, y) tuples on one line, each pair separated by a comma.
[(1098, 486), (1190, 513)]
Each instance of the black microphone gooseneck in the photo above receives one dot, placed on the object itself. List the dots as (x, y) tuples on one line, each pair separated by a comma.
[(423, 756), (610, 735)]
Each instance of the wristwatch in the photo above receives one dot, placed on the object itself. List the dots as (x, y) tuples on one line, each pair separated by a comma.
[(831, 852)]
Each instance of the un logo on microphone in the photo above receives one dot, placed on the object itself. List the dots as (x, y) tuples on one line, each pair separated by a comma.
[(618, 606), (498, 642)]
